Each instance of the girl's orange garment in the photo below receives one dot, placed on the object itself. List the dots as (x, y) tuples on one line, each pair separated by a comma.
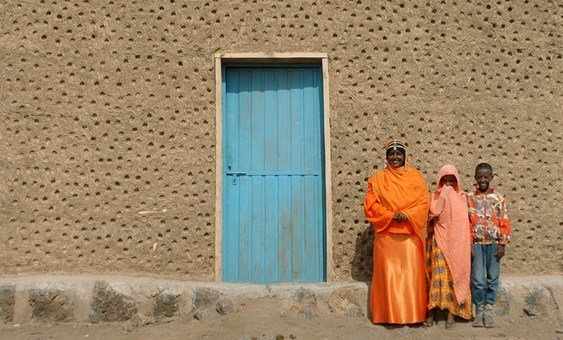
[(398, 290), (451, 230)]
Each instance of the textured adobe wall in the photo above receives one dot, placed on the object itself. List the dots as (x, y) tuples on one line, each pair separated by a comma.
[(107, 108)]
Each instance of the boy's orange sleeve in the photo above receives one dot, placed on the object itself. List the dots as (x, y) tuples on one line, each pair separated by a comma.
[(503, 223)]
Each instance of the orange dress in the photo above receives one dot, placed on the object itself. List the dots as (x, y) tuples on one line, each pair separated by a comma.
[(398, 289)]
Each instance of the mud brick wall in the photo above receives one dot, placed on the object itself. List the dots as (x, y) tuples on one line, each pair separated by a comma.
[(107, 142)]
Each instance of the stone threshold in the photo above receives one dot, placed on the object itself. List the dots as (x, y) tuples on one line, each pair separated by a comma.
[(53, 299)]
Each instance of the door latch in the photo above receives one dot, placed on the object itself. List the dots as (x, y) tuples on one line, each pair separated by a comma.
[(235, 175)]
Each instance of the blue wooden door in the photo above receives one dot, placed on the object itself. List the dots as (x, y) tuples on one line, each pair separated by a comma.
[(273, 191)]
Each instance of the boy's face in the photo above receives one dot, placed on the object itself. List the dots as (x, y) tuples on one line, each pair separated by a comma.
[(448, 180), (483, 178)]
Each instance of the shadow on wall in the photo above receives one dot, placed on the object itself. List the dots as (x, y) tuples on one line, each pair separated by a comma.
[(362, 264)]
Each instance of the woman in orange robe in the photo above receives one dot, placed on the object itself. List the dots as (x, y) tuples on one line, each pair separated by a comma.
[(397, 204)]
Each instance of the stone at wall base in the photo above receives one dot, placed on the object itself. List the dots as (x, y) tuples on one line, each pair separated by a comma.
[(166, 305), (504, 297), (539, 302), (51, 305), (110, 306), (345, 302), (7, 303), (302, 302), (225, 307)]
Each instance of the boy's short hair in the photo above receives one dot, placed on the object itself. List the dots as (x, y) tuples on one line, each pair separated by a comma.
[(485, 166)]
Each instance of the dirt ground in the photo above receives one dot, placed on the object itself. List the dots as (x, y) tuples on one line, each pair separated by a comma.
[(261, 320)]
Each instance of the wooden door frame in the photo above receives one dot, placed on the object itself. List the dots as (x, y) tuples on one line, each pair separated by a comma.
[(269, 58)]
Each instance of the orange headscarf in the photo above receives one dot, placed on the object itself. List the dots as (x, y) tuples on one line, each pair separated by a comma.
[(451, 230), (396, 190)]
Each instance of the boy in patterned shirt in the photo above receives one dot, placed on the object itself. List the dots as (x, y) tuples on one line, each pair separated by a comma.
[(490, 232)]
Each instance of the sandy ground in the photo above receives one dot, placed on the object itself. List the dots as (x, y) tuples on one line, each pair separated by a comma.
[(266, 321)]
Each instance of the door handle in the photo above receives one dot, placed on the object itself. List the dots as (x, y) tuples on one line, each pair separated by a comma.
[(234, 176)]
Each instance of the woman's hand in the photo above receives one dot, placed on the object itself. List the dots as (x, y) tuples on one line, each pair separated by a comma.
[(399, 216)]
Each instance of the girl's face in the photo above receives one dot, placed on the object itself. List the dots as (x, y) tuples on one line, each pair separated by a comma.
[(448, 180), (396, 158), (483, 178)]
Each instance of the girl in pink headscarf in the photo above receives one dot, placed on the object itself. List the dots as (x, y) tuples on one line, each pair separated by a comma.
[(448, 250)]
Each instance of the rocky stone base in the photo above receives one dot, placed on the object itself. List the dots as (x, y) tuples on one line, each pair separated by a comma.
[(136, 301)]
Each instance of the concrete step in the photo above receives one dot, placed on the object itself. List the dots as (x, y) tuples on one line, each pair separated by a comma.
[(142, 300)]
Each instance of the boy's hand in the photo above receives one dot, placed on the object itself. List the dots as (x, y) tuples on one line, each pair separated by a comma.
[(500, 251), (399, 216)]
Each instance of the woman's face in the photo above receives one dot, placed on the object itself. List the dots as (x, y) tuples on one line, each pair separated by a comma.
[(396, 158)]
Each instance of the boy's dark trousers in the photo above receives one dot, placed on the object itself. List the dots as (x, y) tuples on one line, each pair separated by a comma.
[(485, 271)]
